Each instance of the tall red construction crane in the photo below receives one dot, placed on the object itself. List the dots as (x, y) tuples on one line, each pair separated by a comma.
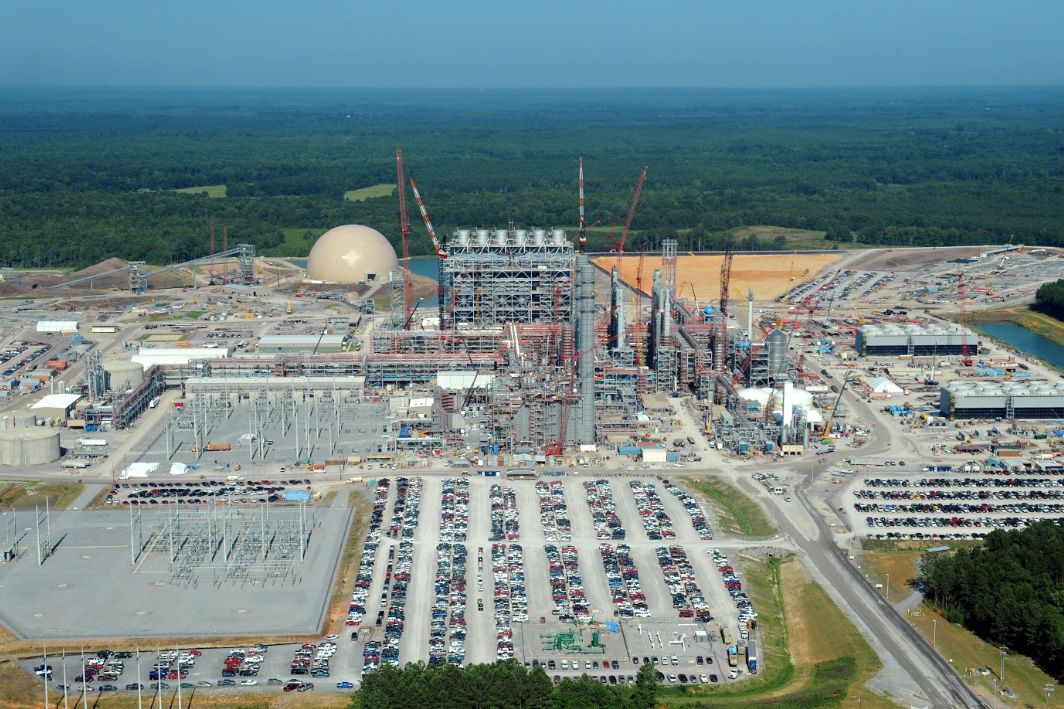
[(966, 359), (404, 227), (583, 227), (631, 215)]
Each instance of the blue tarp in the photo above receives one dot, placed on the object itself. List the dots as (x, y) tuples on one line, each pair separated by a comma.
[(612, 627)]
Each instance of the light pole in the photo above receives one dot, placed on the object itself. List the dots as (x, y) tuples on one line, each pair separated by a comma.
[(1049, 690), (1001, 675), (888, 588), (934, 633)]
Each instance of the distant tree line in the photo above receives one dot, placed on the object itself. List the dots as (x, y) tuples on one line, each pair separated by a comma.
[(1008, 592), (1049, 299), (500, 685), (91, 176)]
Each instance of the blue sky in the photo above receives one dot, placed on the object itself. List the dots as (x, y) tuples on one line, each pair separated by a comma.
[(542, 43)]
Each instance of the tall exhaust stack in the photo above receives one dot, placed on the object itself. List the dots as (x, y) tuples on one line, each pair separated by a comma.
[(585, 343)]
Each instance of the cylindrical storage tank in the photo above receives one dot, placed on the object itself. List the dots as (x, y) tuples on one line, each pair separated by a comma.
[(521, 237), (538, 236), (558, 237), (462, 237), (123, 374), (482, 237), (23, 419), (777, 352), (29, 446), (500, 237)]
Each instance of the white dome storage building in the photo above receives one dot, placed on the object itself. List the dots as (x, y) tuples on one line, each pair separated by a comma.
[(351, 254)]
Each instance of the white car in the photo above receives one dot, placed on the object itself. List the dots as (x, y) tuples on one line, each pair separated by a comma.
[(703, 679), (333, 636), (249, 683), (733, 674)]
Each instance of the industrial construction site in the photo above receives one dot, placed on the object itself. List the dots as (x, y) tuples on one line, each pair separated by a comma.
[(521, 439)]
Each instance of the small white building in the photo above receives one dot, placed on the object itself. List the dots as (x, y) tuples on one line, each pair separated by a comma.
[(654, 454)]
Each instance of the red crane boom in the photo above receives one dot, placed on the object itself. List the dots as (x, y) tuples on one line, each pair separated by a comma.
[(440, 250), (404, 227), (631, 215)]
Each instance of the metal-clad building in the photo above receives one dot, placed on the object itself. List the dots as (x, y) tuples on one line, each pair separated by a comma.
[(983, 399), (910, 339), (302, 343)]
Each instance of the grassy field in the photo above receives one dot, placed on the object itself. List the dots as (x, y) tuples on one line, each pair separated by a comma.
[(213, 191), (961, 647), (297, 243), (801, 667), (19, 494), (382, 190), (736, 513)]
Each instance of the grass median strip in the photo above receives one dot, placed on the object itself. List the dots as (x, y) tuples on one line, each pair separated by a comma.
[(736, 513), (802, 665)]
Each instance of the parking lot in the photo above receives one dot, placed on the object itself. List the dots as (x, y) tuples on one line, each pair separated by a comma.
[(925, 505), (611, 587)]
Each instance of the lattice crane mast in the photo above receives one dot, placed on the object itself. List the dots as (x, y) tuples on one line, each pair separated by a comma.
[(631, 215), (725, 281), (583, 227), (404, 227)]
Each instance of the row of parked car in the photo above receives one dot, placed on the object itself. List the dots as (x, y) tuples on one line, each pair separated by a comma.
[(313, 659), (553, 513), (747, 614), (566, 584), (698, 515), (9, 363), (656, 521), (242, 662), (960, 507), (505, 525), (965, 494), (603, 511), (448, 610), (406, 509), (629, 601), (687, 597), (396, 614), (454, 512), (982, 482), (357, 608), (510, 596)]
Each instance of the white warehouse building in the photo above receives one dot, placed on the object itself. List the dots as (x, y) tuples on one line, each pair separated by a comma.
[(61, 326)]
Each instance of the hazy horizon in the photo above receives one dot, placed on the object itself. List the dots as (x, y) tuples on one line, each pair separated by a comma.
[(477, 44)]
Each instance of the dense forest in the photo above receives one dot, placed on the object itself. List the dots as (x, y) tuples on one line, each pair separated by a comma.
[(500, 685), (88, 174), (1009, 592), (1049, 299)]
